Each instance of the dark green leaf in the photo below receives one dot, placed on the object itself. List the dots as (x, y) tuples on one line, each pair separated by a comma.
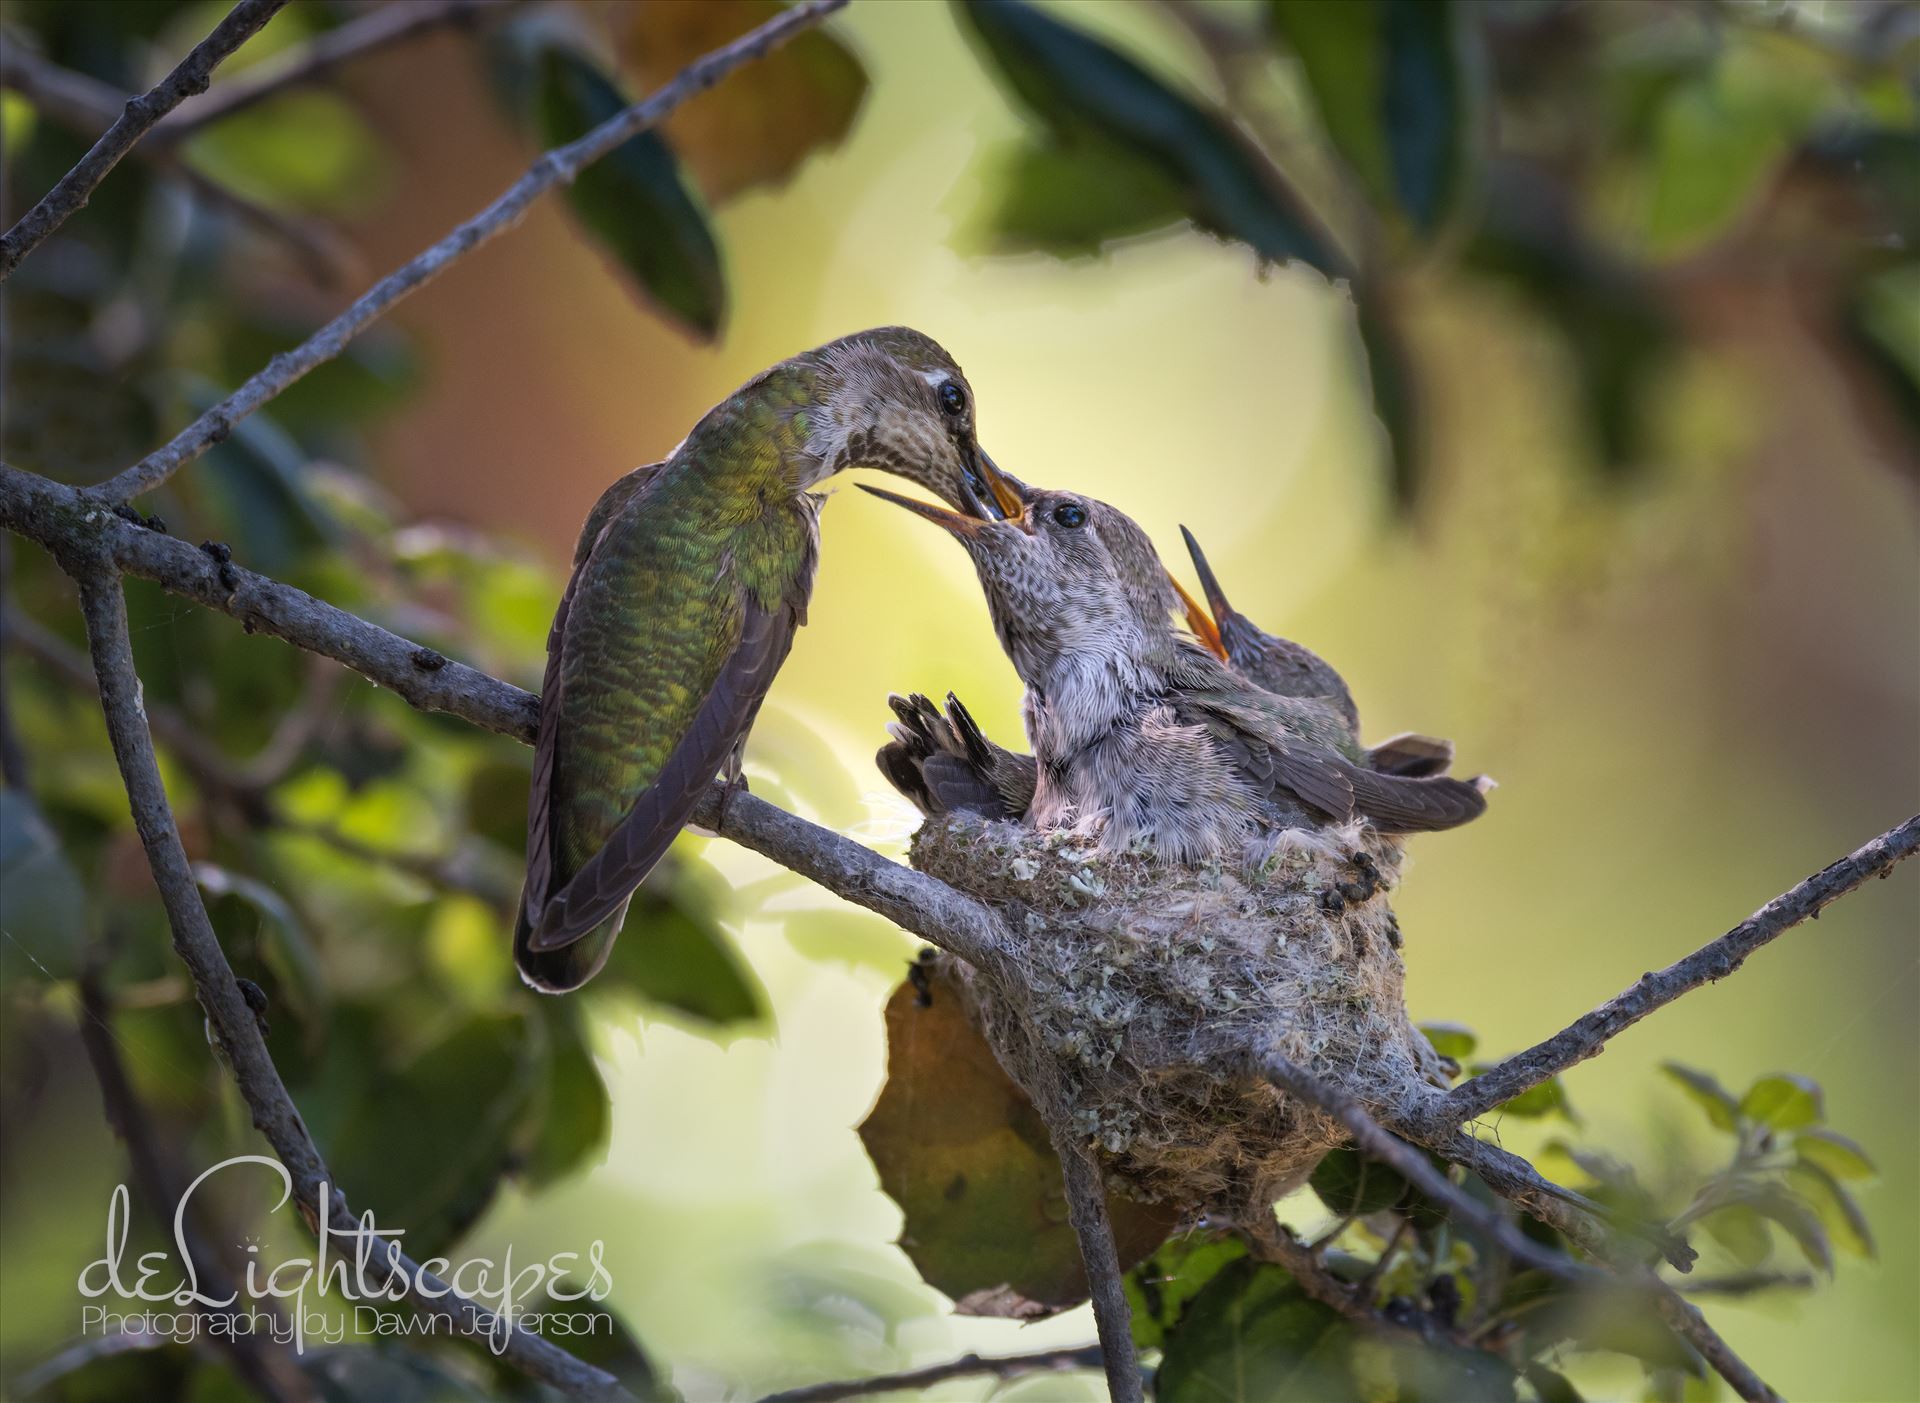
[(633, 201), (1833, 1152), (1439, 1372), (1784, 1101), (424, 1142), (1070, 204), (281, 940), (574, 1114), (1719, 1103), (43, 907), (1350, 1184), (1390, 372), (1160, 1287), (1802, 1224), (1619, 1318), (1252, 1336), (1091, 96), (1550, 1387), (669, 955), (1455, 1040), (1395, 83), (390, 1372)]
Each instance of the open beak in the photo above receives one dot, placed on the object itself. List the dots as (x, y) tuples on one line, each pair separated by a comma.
[(1200, 621), (1008, 496), (957, 523)]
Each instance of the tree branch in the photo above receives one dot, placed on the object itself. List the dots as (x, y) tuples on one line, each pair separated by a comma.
[(1714, 961), (77, 531), (190, 76), (558, 167), (389, 24), (81, 104), (232, 1021), (1087, 1211), (1370, 1139), (1002, 1367), (267, 1368)]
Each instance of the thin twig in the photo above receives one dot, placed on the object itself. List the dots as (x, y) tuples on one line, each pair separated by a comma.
[(1087, 1211), (81, 104), (1002, 1367), (558, 167), (1714, 961), (232, 1021), (1371, 1139), (388, 25), (190, 76), (267, 1368)]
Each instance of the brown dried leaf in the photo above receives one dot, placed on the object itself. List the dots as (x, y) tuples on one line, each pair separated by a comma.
[(758, 124), (963, 1152)]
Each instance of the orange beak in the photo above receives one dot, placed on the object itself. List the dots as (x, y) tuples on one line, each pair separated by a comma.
[(1012, 505), (1200, 621)]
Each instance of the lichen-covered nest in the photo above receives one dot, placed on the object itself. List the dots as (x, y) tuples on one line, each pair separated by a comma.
[(1136, 990)]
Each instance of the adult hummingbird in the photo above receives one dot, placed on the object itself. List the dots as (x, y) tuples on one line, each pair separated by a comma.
[(1142, 734), (690, 577)]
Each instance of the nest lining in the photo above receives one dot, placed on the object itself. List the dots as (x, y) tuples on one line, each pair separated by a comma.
[(1136, 989)]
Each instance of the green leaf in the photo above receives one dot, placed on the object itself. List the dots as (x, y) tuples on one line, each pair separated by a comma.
[(1160, 1287), (43, 907), (1252, 1336), (281, 940), (633, 201), (1395, 83), (1390, 373), (1833, 1152), (1784, 1101), (1455, 1040), (1719, 1103), (1836, 1207), (668, 955), (1550, 1387), (1800, 1221), (1349, 1183), (1719, 139), (424, 1141), (1619, 1318), (1549, 1098), (305, 149), (574, 1115), (1091, 96), (1069, 204), (755, 127), (1742, 1231)]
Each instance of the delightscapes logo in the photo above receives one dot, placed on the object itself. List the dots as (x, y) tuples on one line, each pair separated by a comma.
[(345, 1289)]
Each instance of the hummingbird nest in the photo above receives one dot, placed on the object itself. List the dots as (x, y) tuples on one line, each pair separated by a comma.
[(1136, 990)]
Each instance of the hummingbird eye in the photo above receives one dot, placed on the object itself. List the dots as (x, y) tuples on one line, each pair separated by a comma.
[(1069, 515), (953, 399)]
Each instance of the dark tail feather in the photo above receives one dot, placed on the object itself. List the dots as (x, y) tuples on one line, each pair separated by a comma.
[(566, 969), (1412, 756), (942, 764), (1396, 805)]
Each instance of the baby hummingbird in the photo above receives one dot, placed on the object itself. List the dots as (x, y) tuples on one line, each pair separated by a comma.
[(1143, 734), (689, 580)]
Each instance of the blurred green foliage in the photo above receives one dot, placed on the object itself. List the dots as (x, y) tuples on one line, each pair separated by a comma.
[(1597, 164)]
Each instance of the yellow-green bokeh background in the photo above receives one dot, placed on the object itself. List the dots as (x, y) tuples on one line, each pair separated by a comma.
[(1693, 691)]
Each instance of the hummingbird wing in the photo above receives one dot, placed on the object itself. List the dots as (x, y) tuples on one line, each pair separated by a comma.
[(606, 881), (1411, 756), (1271, 757), (658, 660)]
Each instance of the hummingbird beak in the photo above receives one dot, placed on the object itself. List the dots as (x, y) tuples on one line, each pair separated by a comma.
[(1004, 498), (1216, 597), (964, 527), (1199, 620)]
